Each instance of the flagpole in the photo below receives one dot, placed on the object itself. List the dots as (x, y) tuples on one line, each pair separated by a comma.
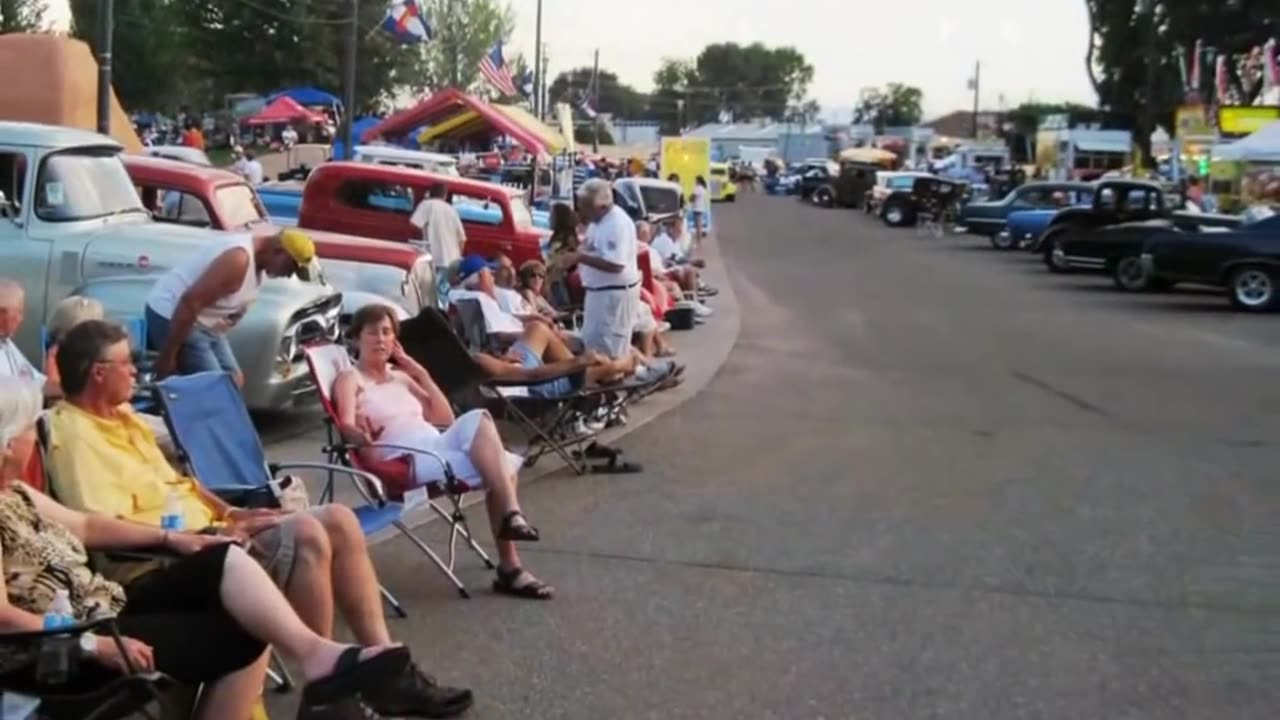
[(595, 104), (106, 22), (349, 81), (537, 65)]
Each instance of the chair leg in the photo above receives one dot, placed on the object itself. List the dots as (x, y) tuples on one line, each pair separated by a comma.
[(391, 600), (278, 675), (448, 572), (458, 525)]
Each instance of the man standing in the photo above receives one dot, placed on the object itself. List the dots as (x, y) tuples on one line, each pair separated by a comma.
[(610, 276), (193, 306), (442, 234), (13, 305), (253, 172)]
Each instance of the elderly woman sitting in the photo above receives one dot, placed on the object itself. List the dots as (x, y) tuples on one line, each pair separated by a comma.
[(388, 399), (205, 618)]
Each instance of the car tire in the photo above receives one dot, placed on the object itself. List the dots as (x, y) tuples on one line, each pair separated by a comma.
[(1129, 275), (1048, 246), (1254, 288), (822, 197), (1003, 241), (894, 214)]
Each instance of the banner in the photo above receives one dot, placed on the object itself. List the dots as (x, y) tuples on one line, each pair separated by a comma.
[(564, 115), (1193, 122), (1237, 120)]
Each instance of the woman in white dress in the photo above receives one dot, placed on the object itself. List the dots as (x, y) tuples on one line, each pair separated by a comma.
[(388, 399)]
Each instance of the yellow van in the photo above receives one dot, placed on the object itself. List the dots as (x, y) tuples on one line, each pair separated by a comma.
[(722, 188)]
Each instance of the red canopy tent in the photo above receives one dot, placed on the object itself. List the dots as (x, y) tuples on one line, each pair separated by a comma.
[(285, 109), (449, 104)]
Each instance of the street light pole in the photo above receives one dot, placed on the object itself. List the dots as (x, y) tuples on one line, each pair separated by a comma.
[(595, 104), (537, 65), (106, 29), (349, 81)]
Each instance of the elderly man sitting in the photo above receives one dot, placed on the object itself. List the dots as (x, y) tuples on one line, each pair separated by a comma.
[(104, 459), (13, 305)]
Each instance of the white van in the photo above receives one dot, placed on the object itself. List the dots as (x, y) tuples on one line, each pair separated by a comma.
[(403, 157)]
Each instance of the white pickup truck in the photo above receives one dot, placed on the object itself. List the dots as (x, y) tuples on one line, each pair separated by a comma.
[(71, 222)]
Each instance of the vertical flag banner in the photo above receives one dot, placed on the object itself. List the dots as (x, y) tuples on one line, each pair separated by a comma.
[(1220, 80), (493, 66), (587, 108), (407, 23), (526, 84), (1196, 54), (1270, 67)]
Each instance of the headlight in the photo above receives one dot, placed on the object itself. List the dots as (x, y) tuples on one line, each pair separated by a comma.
[(288, 346)]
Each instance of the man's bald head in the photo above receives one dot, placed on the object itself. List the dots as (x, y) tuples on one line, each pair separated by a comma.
[(13, 300), (644, 232)]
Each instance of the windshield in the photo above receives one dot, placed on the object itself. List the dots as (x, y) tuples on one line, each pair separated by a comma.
[(659, 201), (520, 212), (84, 184), (238, 206)]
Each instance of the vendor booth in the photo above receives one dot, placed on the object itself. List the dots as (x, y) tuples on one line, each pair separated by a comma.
[(1251, 167), (468, 124)]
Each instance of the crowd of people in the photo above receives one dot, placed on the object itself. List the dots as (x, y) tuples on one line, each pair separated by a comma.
[(241, 581)]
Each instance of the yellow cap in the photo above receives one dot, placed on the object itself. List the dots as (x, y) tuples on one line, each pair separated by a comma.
[(299, 246)]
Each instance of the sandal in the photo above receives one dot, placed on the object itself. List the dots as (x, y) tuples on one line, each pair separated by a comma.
[(535, 589), (615, 465), (511, 532), (352, 675)]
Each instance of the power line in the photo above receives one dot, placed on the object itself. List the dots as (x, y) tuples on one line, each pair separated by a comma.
[(283, 16)]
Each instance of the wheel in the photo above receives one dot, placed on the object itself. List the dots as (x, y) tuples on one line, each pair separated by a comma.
[(895, 215), (1003, 240), (731, 198), (1253, 288), (1129, 274), (822, 197), (1052, 254)]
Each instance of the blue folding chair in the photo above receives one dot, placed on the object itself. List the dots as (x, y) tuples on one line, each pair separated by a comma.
[(136, 327)]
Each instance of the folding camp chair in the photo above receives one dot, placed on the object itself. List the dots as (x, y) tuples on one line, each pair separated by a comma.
[(326, 362), (551, 422), (130, 694), (136, 327)]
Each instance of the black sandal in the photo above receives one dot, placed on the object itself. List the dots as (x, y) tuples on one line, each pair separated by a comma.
[(615, 465), (535, 589), (352, 675), (510, 532)]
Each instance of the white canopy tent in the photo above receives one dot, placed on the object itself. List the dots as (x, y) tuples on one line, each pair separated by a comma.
[(1263, 146)]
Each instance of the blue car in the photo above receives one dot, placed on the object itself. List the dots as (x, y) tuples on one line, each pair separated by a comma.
[(1023, 227)]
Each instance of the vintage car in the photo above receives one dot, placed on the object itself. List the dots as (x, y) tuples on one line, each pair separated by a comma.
[(988, 218), (910, 192), (181, 153), (1245, 261), (404, 157), (886, 185), (1109, 235), (365, 271), (847, 188), (376, 201), (1023, 228), (722, 187), (71, 222)]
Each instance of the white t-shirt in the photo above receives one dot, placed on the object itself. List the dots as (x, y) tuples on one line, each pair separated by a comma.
[(14, 364), (442, 230), (666, 248), (612, 238), (169, 289), (699, 199), (253, 172), (496, 320), (512, 302)]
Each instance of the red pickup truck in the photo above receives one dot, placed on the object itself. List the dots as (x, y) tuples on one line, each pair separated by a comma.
[(363, 269), (377, 200)]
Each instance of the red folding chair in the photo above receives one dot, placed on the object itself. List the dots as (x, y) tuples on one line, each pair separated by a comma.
[(396, 474)]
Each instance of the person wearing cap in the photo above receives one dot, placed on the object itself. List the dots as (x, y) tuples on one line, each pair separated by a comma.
[(193, 305)]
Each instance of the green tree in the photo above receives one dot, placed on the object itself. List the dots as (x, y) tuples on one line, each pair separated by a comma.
[(616, 97), (745, 81), (149, 51), (22, 16), (465, 31), (669, 97), (896, 105)]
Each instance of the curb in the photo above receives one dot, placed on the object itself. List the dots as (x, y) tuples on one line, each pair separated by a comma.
[(699, 373)]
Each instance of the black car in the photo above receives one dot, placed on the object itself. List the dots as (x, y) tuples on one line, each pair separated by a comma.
[(848, 189), (988, 218), (1109, 236), (1245, 261), (903, 205)]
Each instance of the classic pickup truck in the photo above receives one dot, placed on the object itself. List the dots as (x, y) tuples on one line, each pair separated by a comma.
[(71, 222), (365, 271), (376, 201)]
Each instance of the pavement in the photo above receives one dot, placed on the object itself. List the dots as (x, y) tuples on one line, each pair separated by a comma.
[(929, 481)]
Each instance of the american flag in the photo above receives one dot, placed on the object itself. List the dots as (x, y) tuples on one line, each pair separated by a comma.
[(495, 70)]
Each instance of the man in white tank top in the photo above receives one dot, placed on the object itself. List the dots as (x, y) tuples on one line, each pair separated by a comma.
[(193, 305)]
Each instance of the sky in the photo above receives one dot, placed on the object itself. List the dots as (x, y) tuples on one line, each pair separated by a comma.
[(1028, 48)]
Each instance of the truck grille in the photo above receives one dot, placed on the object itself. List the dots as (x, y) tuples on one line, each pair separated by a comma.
[(316, 323)]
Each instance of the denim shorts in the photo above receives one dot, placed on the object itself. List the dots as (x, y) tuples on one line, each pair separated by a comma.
[(203, 351), (550, 389)]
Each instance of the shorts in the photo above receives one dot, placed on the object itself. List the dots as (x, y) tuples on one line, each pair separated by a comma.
[(276, 550), (559, 387), (203, 350), (608, 320)]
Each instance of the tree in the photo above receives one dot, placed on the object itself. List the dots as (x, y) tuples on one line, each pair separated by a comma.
[(20, 16), (149, 51), (617, 98), (744, 81), (897, 105), (667, 102), (465, 31)]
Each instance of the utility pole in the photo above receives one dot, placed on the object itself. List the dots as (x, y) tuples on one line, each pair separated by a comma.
[(106, 29), (542, 87), (349, 82), (537, 65), (1148, 119), (977, 84), (595, 104)]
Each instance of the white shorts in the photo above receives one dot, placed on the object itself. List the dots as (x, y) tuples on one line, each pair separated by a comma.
[(608, 320)]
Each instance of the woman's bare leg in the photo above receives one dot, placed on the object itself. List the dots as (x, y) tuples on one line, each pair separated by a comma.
[(488, 455), (233, 695), (256, 603)]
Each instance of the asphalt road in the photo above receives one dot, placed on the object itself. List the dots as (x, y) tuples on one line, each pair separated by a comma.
[(932, 481)]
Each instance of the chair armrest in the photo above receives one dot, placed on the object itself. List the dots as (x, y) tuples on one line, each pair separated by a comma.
[(379, 495), (448, 469)]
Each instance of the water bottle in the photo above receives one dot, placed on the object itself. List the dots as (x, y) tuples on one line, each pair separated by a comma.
[(57, 652), (172, 518)]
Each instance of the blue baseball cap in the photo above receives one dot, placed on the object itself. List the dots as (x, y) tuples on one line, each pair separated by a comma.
[(473, 264)]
